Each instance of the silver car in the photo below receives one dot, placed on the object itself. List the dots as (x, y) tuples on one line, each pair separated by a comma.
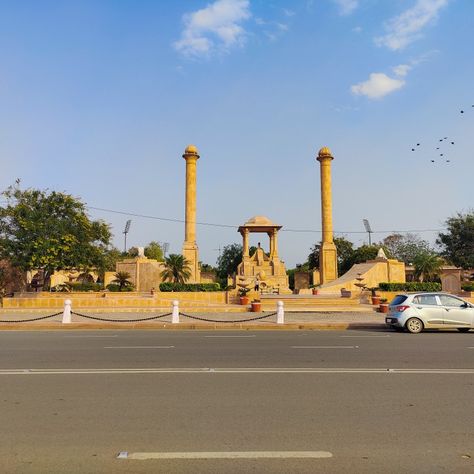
[(417, 311)]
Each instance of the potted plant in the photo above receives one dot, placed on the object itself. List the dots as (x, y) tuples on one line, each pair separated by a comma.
[(383, 307), (314, 289), (374, 296), (244, 299), (256, 306)]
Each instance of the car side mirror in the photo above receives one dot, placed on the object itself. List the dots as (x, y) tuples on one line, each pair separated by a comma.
[(465, 305)]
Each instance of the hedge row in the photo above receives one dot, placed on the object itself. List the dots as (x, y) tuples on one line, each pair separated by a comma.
[(468, 286), (167, 286), (114, 288), (411, 286)]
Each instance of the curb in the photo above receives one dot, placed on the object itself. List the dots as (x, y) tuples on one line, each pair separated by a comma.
[(196, 326)]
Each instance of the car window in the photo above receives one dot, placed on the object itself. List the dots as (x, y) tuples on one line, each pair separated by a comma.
[(447, 300), (427, 299), (399, 299)]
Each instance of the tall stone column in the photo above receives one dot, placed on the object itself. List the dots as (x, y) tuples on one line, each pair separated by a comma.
[(245, 236), (328, 252), (190, 248)]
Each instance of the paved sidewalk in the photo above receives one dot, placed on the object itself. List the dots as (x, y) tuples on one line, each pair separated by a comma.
[(267, 320)]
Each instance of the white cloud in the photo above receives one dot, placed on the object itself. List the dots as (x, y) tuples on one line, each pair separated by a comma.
[(401, 70), (346, 7), (377, 86), (357, 29), (406, 27), (217, 27)]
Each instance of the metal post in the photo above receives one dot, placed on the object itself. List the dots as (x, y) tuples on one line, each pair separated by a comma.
[(175, 314), (67, 312), (280, 313)]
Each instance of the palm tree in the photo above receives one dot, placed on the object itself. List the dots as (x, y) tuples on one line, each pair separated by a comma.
[(176, 269), (122, 279), (427, 266)]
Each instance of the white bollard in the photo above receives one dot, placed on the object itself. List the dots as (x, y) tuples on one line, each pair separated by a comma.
[(280, 313), (67, 312), (175, 314)]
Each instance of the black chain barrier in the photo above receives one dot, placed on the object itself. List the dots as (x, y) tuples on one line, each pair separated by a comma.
[(226, 320), (121, 320), (28, 320)]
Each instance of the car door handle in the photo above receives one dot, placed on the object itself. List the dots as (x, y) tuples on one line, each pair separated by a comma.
[(447, 309)]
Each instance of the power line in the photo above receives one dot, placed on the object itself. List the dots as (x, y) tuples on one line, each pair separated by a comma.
[(228, 226)]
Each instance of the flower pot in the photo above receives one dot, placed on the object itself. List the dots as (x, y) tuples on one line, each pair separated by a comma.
[(244, 300), (256, 306), (315, 291), (375, 300), (383, 307)]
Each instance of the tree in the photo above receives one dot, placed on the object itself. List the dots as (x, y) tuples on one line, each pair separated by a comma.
[(345, 249), (407, 247), (176, 269), (49, 231), (458, 242), (122, 279), (427, 266), (111, 257), (205, 267), (154, 251), (228, 260), (11, 279)]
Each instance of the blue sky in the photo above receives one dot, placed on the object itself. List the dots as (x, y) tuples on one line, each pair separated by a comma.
[(100, 98)]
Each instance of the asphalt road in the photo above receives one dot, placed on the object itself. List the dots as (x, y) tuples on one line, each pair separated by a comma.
[(355, 401)]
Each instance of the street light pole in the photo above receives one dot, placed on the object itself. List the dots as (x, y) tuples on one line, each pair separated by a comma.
[(368, 229), (125, 232)]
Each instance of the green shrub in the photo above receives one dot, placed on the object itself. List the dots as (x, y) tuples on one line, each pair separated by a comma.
[(468, 286), (84, 286), (177, 287), (114, 288), (410, 286)]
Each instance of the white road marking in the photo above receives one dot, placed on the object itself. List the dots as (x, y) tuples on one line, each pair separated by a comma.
[(325, 347), (236, 370), (253, 335), (385, 335), (227, 455), (138, 347)]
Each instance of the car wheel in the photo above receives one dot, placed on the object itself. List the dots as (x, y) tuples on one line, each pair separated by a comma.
[(463, 329), (414, 325)]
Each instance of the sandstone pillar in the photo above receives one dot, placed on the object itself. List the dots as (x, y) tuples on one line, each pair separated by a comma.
[(328, 253), (190, 248)]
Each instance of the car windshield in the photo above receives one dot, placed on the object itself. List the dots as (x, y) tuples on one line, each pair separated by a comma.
[(399, 299)]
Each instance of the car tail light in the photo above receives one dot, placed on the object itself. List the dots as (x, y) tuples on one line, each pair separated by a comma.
[(402, 308)]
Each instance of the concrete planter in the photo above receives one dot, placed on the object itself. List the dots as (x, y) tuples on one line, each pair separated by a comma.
[(375, 300), (244, 300), (256, 306)]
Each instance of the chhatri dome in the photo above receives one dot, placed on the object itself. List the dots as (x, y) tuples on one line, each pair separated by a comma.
[(191, 150), (259, 221), (325, 151)]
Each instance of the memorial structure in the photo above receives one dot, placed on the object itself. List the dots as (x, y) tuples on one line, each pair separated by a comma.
[(265, 270)]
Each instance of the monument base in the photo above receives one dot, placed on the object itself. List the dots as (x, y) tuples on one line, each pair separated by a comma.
[(328, 262)]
